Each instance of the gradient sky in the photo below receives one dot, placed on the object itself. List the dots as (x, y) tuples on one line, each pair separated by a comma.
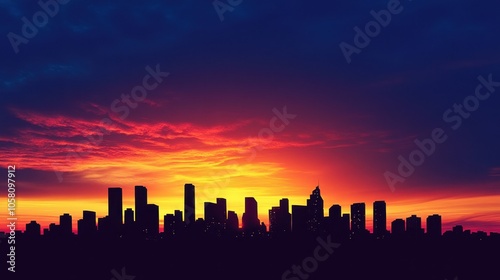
[(202, 123)]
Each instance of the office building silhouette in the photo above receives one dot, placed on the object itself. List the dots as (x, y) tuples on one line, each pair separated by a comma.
[(458, 230), (66, 224), (214, 217), (414, 226), (189, 204), (54, 230), (345, 227), (141, 201), (129, 217), (152, 223), (87, 225), (33, 229), (358, 219), (335, 212), (232, 222), (315, 211), (222, 206), (379, 219), (103, 226), (434, 227), (300, 215), (251, 222), (280, 219), (398, 227), (115, 210), (172, 224)]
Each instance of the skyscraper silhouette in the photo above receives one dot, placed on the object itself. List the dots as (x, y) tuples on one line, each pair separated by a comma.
[(315, 210), (299, 219), (129, 217), (251, 222), (222, 207), (115, 209), (141, 200), (87, 225), (169, 225), (152, 220), (280, 219), (189, 204), (414, 225), (273, 220), (398, 227), (434, 227), (285, 217), (210, 212), (358, 219), (232, 221), (335, 211), (66, 224), (32, 229), (379, 219)]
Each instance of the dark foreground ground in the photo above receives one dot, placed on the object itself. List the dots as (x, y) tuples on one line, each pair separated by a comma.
[(253, 259)]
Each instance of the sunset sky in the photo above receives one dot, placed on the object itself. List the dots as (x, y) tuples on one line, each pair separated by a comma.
[(216, 119)]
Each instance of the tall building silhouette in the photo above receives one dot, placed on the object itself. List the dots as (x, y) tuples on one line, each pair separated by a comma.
[(299, 219), (66, 224), (358, 219), (414, 225), (54, 230), (103, 226), (130, 228), (87, 225), (115, 209), (434, 227), (172, 224), (280, 219), (129, 217), (222, 206), (345, 226), (458, 230), (285, 217), (315, 210), (152, 224), (333, 222), (210, 211), (141, 200), (335, 211), (232, 221), (169, 222), (32, 229), (273, 219), (379, 219), (251, 222), (398, 227), (178, 215), (189, 204), (215, 214)]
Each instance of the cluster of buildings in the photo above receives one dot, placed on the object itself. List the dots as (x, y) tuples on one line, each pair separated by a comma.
[(144, 220)]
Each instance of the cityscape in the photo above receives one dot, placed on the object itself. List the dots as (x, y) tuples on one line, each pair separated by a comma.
[(297, 220), (250, 140)]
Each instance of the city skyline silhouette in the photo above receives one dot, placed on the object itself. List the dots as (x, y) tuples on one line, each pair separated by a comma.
[(217, 219), (237, 139)]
